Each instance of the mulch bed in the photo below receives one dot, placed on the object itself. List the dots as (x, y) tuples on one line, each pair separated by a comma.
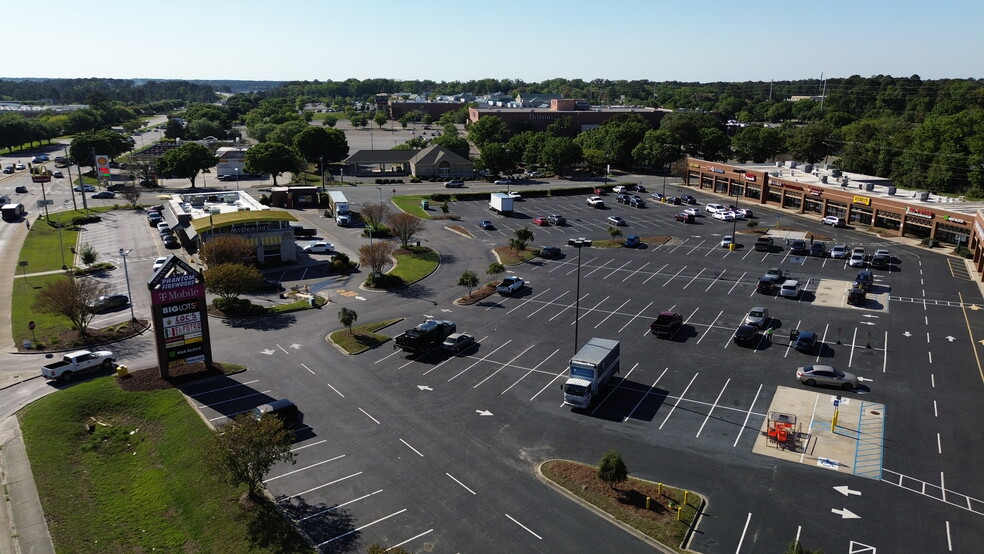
[(70, 339), (150, 378), (480, 293)]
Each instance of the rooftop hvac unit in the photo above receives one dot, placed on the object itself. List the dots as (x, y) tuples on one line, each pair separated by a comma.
[(922, 195), (778, 164), (835, 173), (214, 210), (775, 173), (891, 190), (808, 168), (823, 179)]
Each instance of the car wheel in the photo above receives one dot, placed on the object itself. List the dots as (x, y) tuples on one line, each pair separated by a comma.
[(848, 386), (108, 364), (811, 382), (67, 376)]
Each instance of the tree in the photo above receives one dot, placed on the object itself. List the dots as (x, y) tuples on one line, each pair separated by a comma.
[(274, 159), (186, 161), (227, 249), (488, 129), (374, 214), (248, 448), (522, 237), (657, 149), (102, 143), (315, 143), (756, 143), (174, 129), (347, 317), (376, 255), (404, 226), (71, 298), (131, 195), (560, 154), (495, 269), (229, 280), (88, 254), (380, 118), (612, 469), (497, 158), (468, 279), (614, 232)]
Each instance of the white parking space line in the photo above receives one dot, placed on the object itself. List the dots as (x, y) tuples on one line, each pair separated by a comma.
[(709, 327), (567, 307), (678, 400), (711, 411), (525, 301), (694, 249), (413, 538), (528, 373), (308, 368), (611, 390), (534, 312), (612, 313), (677, 273), (395, 352), (210, 391), (630, 275), (328, 484), (516, 357), (600, 267), (412, 448), (478, 361), (230, 417), (451, 358), (305, 468), (824, 340), (460, 483), (336, 390), (299, 448), (342, 505), (369, 416), (524, 527), (690, 282), (357, 529), (747, 416), (635, 317), (790, 345), (854, 342), (591, 309), (233, 399), (657, 272), (645, 396), (616, 270), (743, 531), (717, 278), (587, 263), (557, 376)]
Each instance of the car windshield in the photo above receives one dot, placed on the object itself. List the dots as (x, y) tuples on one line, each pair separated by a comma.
[(575, 390), (756, 313)]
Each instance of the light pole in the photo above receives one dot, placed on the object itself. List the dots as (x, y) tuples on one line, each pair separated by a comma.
[(738, 193), (380, 194), (126, 273), (579, 244), (61, 245), (321, 168), (236, 169), (665, 169)]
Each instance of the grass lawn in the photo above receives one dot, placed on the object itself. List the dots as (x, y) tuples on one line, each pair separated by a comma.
[(411, 205), (136, 482), (362, 337), (414, 264), (627, 501), (42, 249), (47, 326)]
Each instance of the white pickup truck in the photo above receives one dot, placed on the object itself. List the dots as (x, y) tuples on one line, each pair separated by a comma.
[(78, 362), (509, 285)]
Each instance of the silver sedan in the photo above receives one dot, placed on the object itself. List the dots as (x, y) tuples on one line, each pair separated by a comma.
[(827, 375)]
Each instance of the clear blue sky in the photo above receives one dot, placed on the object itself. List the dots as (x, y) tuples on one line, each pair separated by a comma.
[(446, 40)]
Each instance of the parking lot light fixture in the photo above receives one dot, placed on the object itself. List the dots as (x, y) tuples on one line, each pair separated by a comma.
[(579, 244), (126, 273), (738, 193)]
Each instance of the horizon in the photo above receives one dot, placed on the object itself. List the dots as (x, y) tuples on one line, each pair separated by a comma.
[(304, 40)]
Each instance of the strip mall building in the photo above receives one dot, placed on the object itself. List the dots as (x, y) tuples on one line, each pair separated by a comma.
[(862, 201)]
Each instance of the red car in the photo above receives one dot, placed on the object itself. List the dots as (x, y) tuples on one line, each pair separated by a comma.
[(599, 192), (542, 221)]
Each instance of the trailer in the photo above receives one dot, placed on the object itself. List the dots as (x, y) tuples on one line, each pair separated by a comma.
[(501, 203)]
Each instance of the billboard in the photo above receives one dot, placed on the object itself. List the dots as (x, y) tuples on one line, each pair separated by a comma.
[(177, 294)]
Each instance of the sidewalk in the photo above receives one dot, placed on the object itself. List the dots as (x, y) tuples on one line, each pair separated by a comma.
[(27, 530)]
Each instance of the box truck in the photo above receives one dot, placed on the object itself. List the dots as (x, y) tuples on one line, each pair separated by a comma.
[(590, 370), (501, 202)]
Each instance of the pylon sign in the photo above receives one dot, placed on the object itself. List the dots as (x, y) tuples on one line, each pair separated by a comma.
[(102, 166)]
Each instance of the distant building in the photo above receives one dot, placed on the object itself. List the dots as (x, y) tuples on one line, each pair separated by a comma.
[(433, 161), (583, 115)]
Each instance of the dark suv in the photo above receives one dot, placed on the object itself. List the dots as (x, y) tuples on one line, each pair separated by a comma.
[(798, 246)]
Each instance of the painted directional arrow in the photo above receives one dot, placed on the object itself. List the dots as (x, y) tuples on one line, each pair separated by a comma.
[(865, 379), (845, 513), (843, 489), (908, 334), (869, 316), (981, 341), (866, 323), (268, 352), (295, 346), (974, 307), (483, 412), (951, 339), (424, 387)]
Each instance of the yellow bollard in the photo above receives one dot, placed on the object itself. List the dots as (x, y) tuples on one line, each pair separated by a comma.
[(686, 495), (659, 488), (679, 510), (121, 371), (648, 500)]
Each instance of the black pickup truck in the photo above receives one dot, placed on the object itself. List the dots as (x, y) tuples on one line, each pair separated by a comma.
[(423, 337), (300, 231), (666, 324)]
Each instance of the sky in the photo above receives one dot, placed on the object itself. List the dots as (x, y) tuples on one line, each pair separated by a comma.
[(441, 40)]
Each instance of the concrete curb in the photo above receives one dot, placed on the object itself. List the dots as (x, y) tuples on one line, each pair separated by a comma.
[(22, 505)]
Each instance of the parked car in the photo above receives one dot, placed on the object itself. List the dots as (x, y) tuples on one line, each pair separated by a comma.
[(804, 341), (170, 242), (744, 213), (8, 170), (714, 208), (159, 262), (723, 216), (727, 241), (109, 302), (632, 241), (557, 219), (622, 198), (764, 244), (599, 192), (618, 189), (549, 252), (834, 221), (692, 211), (687, 199), (154, 218), (320, 247), (510, 285), (84, 188), (757, 316), (790, 289), (675, 200), (639, 188), (57, 174), (18, 166), (637, 202), (657, 196), (541, 221), (799, 247), (864, 279), (856, 260), (839, 251), (456, 342), (857, 296), (814, 375), (617, 221), (486, 224), (817, 250), (104, 194), (163, 226), (515, 195), (746, 335)]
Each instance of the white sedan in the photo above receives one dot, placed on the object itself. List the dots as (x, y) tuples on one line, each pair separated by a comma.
[(320, 248), (727, 241), (503, 181), (692, 211), (515, 195), (84, 188), (724, 216), (619, 189)]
